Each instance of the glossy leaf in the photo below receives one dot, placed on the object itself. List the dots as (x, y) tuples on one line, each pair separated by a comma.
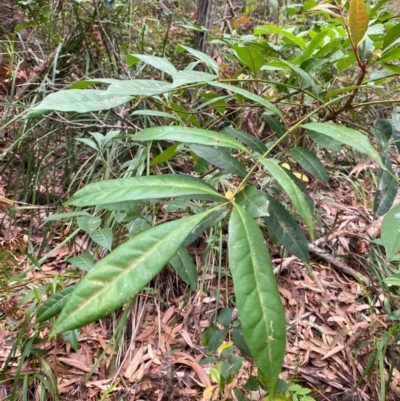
[(254, 201), (123, 273), (310, 162), (348, 137), (286, 230), (53, 305), (103, 237), (293, 191), (249, 140), (220, 158), (390, 232), (249, 95), (134, 188), (257, 298), (161, 63), (358, 21), (183, 264), (188, 135)]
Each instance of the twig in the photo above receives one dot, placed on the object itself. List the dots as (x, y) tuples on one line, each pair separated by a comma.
[(339, 264)]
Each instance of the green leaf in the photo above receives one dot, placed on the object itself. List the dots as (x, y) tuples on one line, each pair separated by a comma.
[(84, 261), (348, 137), (387, 189), (290, 38), (53, 305), (315, 43), (166, 155), (286, 230), (207, 60), (254, 201), (160, 63), (68, 215), (395, 124), (139, 87), (358, 21), (310, 162), (275, 125), (71, 337), (249, 57), (249, 95), (103, 237), (188, 135), (293, 191), (249, 140), (220, 158), (390, 232), (181, 78), (257, 298), (82, 101), (123, 273), (135, 188), (88, 223), (392, 35), (183, 264), (306, 78), (225, 317), (325, 141), (154, 113)]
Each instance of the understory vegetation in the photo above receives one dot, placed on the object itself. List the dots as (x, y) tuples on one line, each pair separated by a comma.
[(188, 225)]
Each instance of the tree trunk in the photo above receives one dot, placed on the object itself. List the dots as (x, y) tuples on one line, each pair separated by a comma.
[(207, 12)]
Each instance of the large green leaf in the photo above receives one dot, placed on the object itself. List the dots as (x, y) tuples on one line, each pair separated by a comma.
[(257, 298), (123, 273), (293, 191), (249, 95), (161, 63), (82, 101), (390, 232), (183, 264), (135, 188), (254, 201), (348, 137), (188, 135), (286, 230), (310, 162), (220, 158)]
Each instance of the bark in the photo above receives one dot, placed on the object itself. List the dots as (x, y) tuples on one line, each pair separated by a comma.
[(207, 13)]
